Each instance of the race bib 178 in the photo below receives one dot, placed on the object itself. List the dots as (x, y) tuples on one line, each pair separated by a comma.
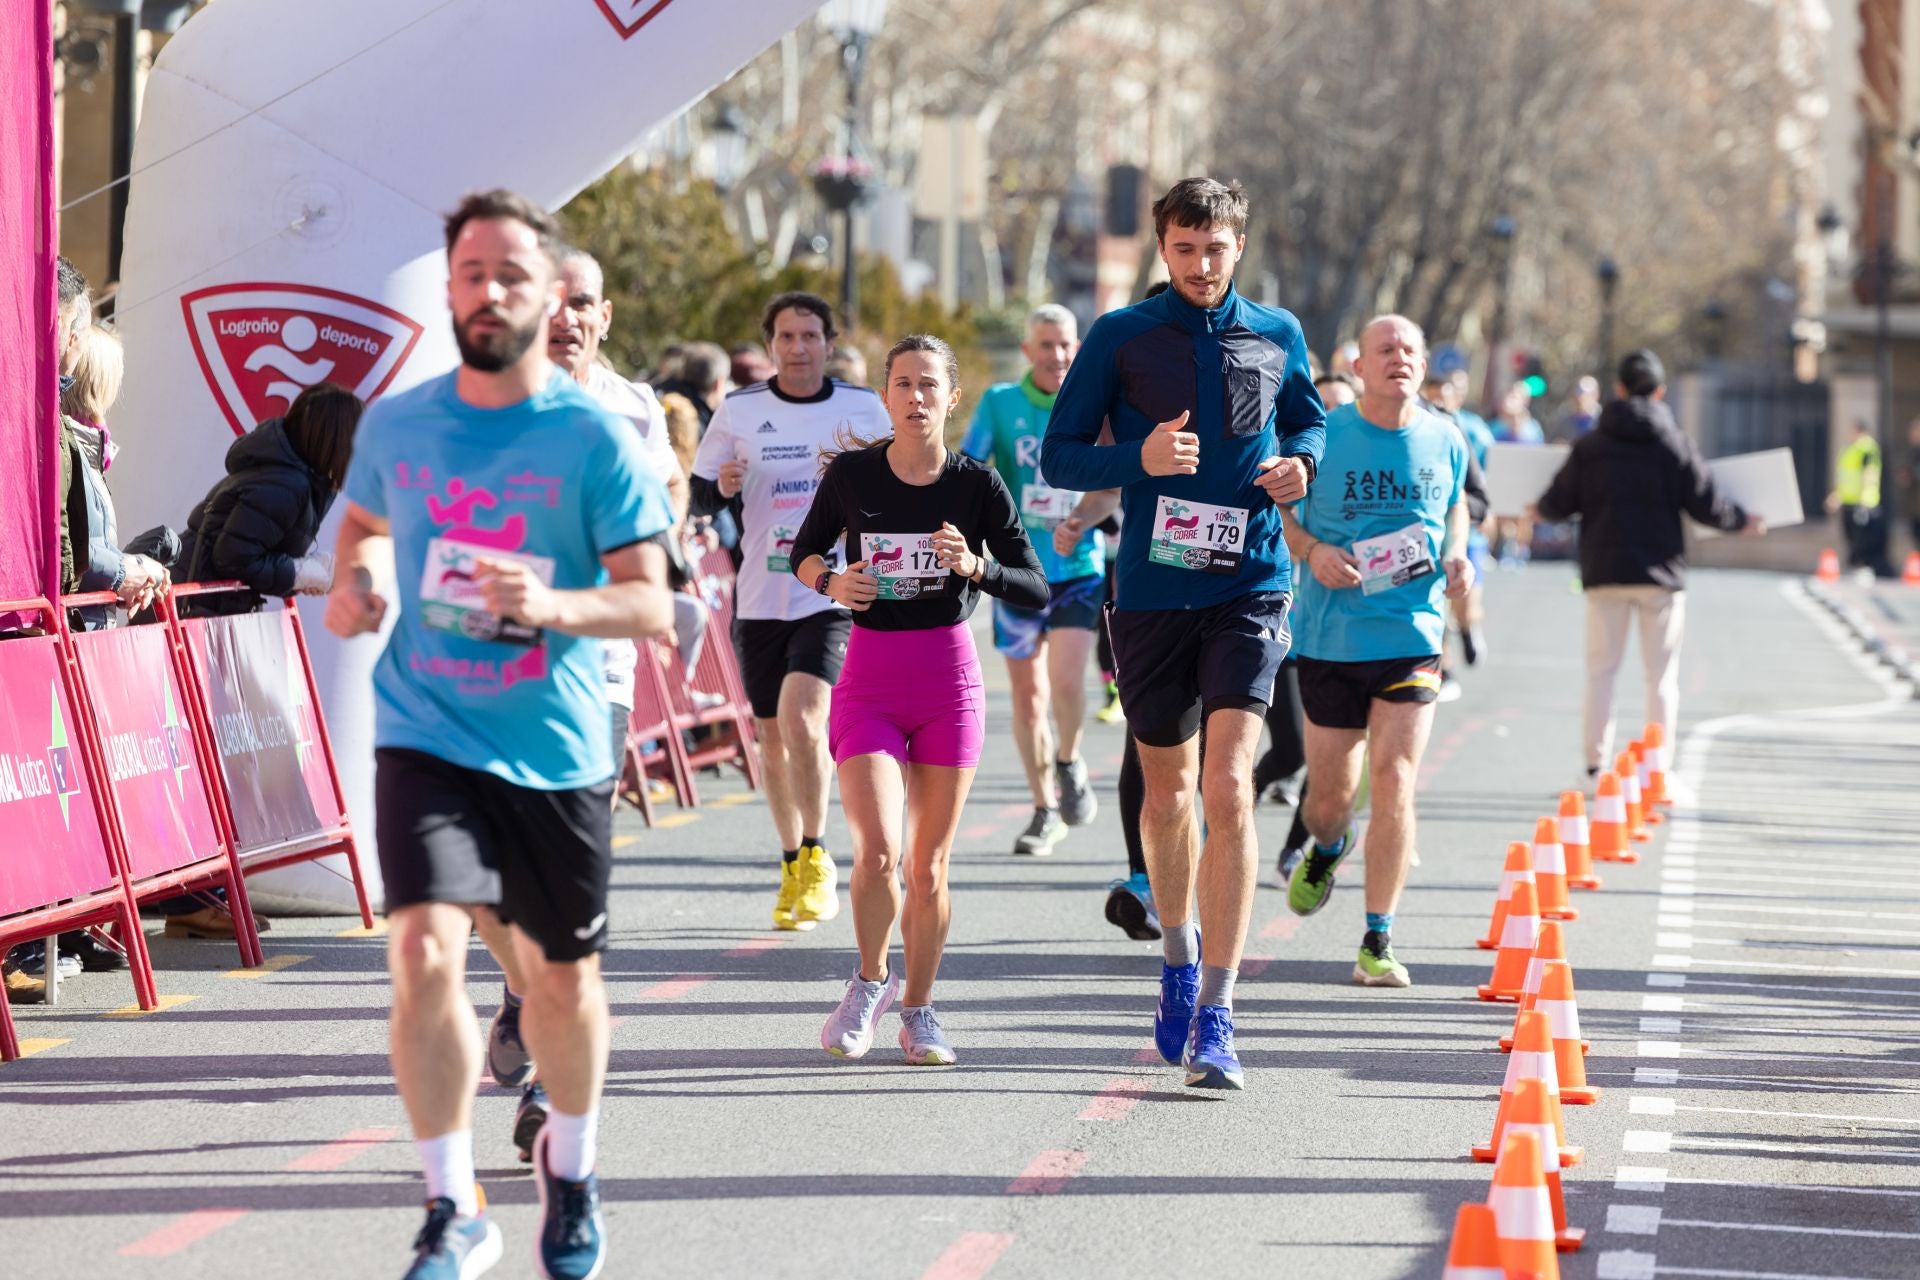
[(906, 564)]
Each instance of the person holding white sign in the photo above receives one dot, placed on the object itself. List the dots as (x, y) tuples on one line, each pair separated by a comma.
[(1384, 539), (1629, 480), (1046, 649), (908, 716)]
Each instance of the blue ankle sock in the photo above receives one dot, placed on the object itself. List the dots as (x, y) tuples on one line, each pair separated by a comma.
[(1334, 850), (1380, 922)]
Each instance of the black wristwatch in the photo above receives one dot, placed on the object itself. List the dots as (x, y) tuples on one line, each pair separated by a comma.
[(1312, 470), (820, 583)]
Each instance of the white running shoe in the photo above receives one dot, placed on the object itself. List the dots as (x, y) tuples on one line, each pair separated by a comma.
[(921, 1038), (849, 1029)]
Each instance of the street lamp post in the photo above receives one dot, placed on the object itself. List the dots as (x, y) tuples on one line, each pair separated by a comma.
[(1500, 236), (854, 23), (1607, 272)]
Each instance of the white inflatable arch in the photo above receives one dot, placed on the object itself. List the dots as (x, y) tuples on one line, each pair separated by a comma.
[(291, 168)]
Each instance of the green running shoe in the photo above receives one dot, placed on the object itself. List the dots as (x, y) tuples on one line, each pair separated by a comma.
[(1311, 883), (1376, 966)]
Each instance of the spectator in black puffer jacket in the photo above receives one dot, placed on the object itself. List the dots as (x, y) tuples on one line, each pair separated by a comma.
[(259, 523), (1629, 480)]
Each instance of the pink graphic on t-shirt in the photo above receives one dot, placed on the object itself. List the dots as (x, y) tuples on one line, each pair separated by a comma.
[(456, 516)]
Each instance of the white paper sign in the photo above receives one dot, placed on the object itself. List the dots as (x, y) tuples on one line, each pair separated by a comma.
[(1764, 483), (1517, 474)]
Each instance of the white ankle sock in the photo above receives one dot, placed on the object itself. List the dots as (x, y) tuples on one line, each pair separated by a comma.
[(448, 1161), (572, 1143)]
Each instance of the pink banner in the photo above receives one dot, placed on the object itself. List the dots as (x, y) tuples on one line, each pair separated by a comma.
[(53, 849), (29, 554), (147, 739), (265, 727)]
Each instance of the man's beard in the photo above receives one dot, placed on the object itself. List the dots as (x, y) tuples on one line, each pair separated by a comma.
[(1210, 295), (497, 350)]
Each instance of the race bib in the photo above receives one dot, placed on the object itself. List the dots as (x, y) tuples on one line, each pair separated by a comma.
[(450, 598), (1198, 536), (905, 563), (1393, 559), (1043, 506), (780, 548)]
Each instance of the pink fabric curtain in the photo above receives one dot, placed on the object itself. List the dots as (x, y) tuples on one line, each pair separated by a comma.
[(29, 519)]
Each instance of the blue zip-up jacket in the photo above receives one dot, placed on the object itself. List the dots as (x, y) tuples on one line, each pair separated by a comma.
[(1241, 370)]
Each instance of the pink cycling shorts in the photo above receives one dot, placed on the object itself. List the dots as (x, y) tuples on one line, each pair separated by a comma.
[(913, 695)]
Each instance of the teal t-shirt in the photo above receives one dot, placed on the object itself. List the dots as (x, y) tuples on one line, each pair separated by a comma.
[(1389, 490), (554, 482), (1006, 431)]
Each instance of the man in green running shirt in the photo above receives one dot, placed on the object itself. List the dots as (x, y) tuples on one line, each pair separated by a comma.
[(1046, 649)]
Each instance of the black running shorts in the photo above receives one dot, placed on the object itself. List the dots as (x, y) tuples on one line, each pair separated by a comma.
[(1176, 666), (1338, 695), (540, 859), (771, 649)]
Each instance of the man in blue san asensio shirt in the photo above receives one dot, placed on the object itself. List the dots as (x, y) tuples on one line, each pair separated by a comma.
[(1215, 425), (1383, 543)]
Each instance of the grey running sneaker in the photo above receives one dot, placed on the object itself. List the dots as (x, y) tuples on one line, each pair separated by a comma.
[(921, 1038), (1042, 833), (1078, 804), (849, 1030), (508, 1061), (529, 1119), (453, 1246)]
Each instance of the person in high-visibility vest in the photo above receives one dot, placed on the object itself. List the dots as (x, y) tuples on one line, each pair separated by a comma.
[(1856, 497)]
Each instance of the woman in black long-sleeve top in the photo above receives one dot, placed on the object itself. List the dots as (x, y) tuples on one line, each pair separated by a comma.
[(908, 715)]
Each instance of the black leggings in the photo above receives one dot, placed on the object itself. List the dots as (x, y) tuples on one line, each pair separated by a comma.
[(1133, 797), (1286, 722)]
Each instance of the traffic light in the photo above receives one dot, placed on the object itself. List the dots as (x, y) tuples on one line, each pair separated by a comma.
[(1530, 372)]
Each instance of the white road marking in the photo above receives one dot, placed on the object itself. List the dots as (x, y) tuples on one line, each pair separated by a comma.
[(1634, 1219), (1649, 1106), (1660, 1004), (1645, 1178), (1657, 1049), (1659, 1027), (1657, 1076), (1646, 1141), (1791, 1229)]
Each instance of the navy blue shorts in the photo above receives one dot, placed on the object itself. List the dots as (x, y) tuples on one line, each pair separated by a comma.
[(1074, 603), (1177, 666)]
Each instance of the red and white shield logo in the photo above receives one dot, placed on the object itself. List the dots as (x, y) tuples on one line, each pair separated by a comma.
[(628, 16), (261, 345)]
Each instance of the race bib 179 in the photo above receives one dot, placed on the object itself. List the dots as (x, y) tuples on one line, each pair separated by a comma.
[(1198, 536)]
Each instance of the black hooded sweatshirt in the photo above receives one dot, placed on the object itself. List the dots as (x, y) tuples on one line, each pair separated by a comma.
[(261, 517), (1629, 480)]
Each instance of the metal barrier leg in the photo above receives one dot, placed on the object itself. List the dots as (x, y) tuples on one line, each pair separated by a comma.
[(50, 958)]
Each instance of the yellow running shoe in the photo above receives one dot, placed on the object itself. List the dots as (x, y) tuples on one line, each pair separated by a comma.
[(791, 883), (819, 887), (1111, 712)]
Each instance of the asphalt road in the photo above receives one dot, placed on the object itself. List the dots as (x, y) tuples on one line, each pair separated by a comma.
[(1752, 989)]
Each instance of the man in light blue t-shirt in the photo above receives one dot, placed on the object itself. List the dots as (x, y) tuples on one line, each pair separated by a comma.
[(1383, 537), (1046, 649), (514, 516)]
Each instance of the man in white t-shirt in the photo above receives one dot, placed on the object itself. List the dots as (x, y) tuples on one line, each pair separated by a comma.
[(764, 447)]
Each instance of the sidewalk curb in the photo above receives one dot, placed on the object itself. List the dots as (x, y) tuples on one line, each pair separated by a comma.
[(1896, 659)]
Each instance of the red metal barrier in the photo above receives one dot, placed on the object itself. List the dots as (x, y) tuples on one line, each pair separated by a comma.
[(67, 872), (174, 838), (304, 814)]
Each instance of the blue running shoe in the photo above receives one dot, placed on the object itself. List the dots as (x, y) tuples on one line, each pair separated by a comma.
[(1173, 1020), (1211, 1062), (453, 1246), (573, 1235), (1130, 908)]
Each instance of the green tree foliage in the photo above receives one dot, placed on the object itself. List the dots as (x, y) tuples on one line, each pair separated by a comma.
[(676, 271)]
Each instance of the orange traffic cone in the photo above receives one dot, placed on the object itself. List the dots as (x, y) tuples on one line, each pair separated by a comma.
[(1911, 574), (1576, 841), (1629, 770), (1552, 947), (1550, 871), (1531, 1105), (1519, 867), (1532, 1060), (1523, 1210), (1519, 935), (1657, 765), (1475, 1251), (1829, 570), (1609, 829), (1563, 1022), (1643, 773)]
